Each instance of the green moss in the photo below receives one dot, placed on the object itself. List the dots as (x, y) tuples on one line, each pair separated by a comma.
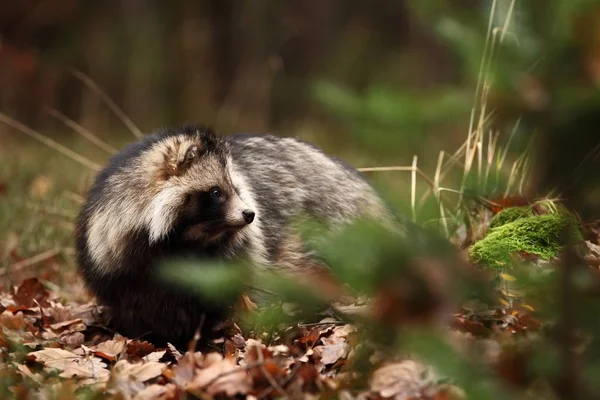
[(509, 215), (524, 231)]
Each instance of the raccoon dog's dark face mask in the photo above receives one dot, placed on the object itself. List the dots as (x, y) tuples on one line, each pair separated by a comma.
[(214, 211)]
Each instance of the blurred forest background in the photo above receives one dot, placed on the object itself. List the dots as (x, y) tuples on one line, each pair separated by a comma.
[(477, 103), (252, 66)]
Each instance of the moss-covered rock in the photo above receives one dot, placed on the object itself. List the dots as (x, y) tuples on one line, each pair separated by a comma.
[(521, 230), (509, 215)]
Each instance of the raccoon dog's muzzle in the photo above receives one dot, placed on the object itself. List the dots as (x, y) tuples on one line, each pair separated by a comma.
[(237, 214)]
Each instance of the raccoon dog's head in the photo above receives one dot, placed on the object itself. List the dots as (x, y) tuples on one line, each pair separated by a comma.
[(174, 184), (195, 190)]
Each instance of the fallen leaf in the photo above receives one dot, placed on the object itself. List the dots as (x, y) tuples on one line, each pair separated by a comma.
[(15, 322), (157, 392), (405, 379), (71, 364), (109, 349), (333, 352), (137, 349), (30, 291), (25, 371), (311, 338), (593, 248), (221, 375), (72, 339), (155, 355), (64, 324), (500, 203), (185, 370), (140, 372)]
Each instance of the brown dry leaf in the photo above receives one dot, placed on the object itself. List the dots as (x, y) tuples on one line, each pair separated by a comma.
[(139, 372), (268, 371), (59, 313), (137, 349), (334, 345), (25, 371), (155, 356), (311, 338), (72, 339), (64, 324), (401, 380), (157, 392), (109, 349), (306, 378), (593, 248), (15, 322), (71, 364), (185, 370), (30, 291), (87, 312), (332, 352), (221, 375)]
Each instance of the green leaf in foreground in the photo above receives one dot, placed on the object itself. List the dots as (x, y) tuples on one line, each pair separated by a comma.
[(217, 281)]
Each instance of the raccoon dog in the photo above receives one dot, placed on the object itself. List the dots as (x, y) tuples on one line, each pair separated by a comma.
[(188, 191)]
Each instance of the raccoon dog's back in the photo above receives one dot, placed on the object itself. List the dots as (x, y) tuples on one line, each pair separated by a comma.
[(290, 177)]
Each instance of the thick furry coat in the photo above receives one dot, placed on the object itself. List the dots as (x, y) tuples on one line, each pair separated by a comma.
[(187, 191)]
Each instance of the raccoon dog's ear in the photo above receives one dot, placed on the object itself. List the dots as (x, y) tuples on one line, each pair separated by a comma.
[(192, 152), (179, 158)]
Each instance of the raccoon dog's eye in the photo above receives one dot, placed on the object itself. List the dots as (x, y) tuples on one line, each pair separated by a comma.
[(215, 192)]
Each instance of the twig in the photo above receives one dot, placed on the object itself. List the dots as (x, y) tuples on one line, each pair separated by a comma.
[(49, 142), (82, 131), (197, 335), (108, 101), (30, 261)]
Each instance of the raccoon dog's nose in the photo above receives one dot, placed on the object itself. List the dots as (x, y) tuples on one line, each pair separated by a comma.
[(248, 216)]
